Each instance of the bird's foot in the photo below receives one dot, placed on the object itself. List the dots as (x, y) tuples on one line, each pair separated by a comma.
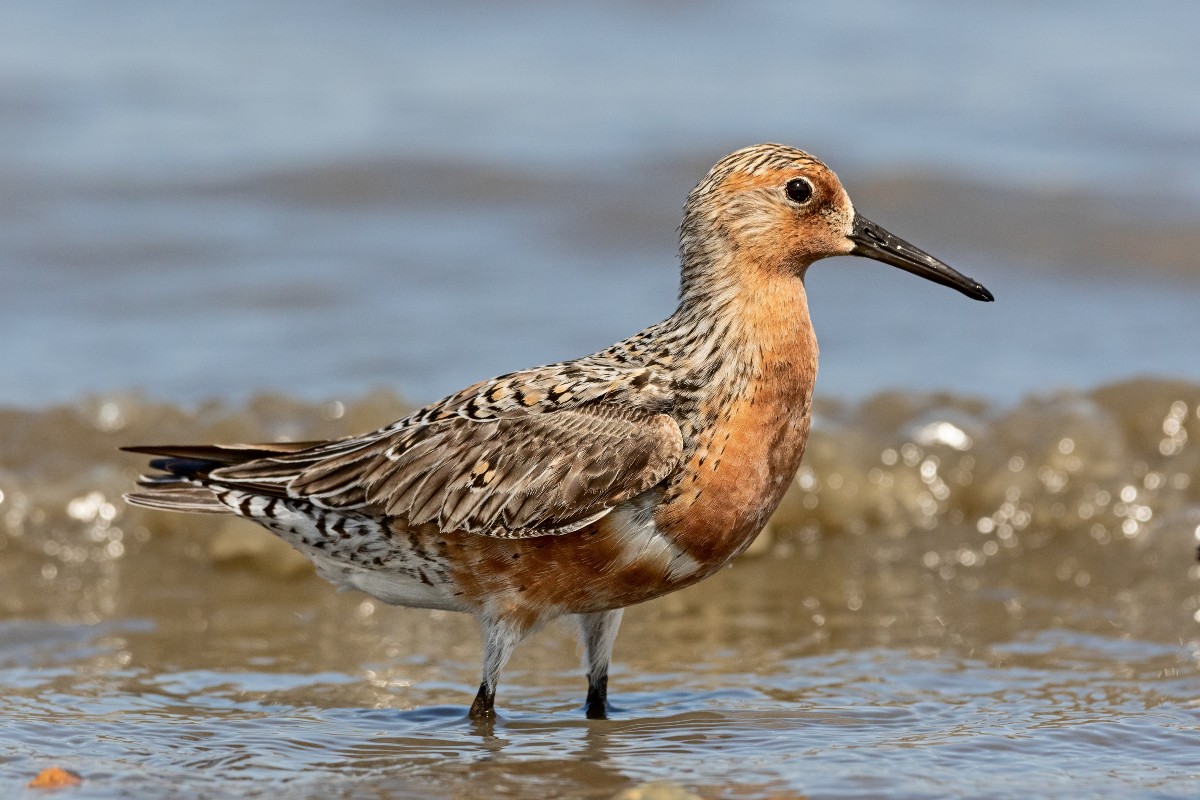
[(484, 707), (596, 706)]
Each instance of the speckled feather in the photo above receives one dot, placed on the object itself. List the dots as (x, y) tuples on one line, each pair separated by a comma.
[(526, 455), (584, 486), (540, 451)]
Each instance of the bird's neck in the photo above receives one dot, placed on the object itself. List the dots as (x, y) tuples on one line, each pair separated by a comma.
[(747, 326)]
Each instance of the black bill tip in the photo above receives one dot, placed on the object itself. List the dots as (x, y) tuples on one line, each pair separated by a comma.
[(873, 241)]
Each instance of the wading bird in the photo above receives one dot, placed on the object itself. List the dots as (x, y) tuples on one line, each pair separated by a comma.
[(589, 485)]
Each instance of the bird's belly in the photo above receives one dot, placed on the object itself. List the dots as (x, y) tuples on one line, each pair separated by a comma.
[(387, 585), (357, 552), (620, 560)]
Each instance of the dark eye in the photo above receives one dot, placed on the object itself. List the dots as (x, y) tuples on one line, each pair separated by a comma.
[(799, 190)]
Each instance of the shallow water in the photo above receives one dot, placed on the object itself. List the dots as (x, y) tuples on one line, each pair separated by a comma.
[(983, 582), (955, 598), (782, 677)]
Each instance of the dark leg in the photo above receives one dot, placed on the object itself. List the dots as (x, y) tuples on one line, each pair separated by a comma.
[(599, 634), (484, 707), (500, 638), (597, 697)]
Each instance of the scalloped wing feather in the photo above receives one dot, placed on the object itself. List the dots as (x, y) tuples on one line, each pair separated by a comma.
[(517, 475)]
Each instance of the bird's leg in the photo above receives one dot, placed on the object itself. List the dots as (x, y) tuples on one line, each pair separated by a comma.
[(484, 706), (599, 634), (500, 638)]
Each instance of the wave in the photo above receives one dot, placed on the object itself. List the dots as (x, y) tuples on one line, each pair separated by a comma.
[(1118, 464)]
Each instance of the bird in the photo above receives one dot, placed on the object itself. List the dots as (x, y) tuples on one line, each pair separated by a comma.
[(586, 486)]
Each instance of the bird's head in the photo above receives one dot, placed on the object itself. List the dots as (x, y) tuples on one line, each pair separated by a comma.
[(775, 210)]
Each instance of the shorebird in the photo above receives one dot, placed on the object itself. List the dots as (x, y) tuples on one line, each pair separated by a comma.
[(589, 485)]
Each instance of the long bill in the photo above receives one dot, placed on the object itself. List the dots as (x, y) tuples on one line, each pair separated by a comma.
[(872, 241)]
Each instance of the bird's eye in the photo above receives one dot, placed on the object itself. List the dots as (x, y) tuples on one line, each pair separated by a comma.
[(799, 190)]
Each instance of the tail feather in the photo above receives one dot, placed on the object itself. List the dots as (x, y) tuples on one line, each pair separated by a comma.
[(182, 467), (179, 497), (222, 453), (183, 482)]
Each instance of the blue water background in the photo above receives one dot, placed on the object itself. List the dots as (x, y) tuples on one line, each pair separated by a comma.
[(461, 189)]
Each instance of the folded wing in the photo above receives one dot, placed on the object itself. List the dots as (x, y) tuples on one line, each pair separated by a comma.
[(511, 476)]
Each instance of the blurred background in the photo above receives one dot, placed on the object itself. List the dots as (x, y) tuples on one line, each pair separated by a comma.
[(231, 221), (205, 201)]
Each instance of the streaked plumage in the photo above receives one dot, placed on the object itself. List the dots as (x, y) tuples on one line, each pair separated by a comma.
[(585, 486)]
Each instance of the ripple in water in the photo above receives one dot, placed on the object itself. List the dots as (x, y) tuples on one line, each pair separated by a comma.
[(954, 600)]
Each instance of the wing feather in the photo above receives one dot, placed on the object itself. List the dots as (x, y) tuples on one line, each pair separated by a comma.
[(516, 474)]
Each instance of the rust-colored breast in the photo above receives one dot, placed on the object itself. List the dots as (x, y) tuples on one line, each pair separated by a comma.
[(746, 457), (733, 485)]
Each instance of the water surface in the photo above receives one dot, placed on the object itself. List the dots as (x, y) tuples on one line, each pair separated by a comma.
[(207, 201), (954, 598), (235, 222)]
